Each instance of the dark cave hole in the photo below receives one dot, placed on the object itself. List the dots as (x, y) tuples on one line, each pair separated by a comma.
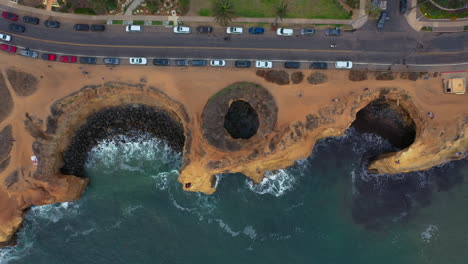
[(241, 120)]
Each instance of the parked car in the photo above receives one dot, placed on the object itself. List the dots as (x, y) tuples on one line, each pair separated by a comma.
[(161, 62), (10, 16), (198, 62), (81, 27), (67, 59), (382, 19), (49, 56), (134, 28), (204, 29), (343, 65), (98, 27), (17, 28), (285, 32), (333, 31), (307, 31), (264, 64), (8, 48), (256, 30), (319, 65), (234, 30), (218, 63), (88, 60), (5, 37), (29, 53), (31, 20), (182, 63), (52, 24), (403, 6), (292, 65), (113, 61), (138, 61), (182, 30), (242, 64)]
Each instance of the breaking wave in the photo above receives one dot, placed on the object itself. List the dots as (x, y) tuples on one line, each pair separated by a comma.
[(276, 183)]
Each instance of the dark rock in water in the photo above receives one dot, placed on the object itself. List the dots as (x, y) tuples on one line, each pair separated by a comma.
[(385, 118), (241, 120), (120, 121)]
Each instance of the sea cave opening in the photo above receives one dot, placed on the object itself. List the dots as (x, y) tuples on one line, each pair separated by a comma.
[(128, 123), (241, 120)]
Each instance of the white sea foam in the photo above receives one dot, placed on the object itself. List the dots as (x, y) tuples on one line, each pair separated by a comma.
[(430, 231), (247, 231), (53, 212), (128, 211), (276, 183)]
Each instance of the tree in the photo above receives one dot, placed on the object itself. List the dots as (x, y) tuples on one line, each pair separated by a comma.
[(223, 11), (281, 12)]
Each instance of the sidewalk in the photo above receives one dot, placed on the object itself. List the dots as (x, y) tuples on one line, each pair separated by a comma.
[(416, 20), (202, 19)]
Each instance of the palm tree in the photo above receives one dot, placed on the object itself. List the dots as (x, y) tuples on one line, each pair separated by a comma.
[(223, 11), (281, 12)]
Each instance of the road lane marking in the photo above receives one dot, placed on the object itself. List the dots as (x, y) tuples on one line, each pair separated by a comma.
[(441, 52), (170, 47)]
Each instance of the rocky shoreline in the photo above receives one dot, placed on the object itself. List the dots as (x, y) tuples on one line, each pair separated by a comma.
[(131, 121)]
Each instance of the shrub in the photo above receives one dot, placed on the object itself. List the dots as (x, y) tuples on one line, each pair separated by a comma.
[(85, 11), (204, 12), (111, 5), (317, 78)]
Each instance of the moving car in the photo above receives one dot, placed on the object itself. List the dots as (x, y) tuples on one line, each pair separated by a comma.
[(8, 48), (98, 27), (182, 30), (234, 30), (264, 64), (403, 6), (382, 19), (198, 62), (256, 30), (81, 27), (88, 60), (133, 28), (307, 31), (319, 65), (292, 65), (138, 61), (52, 24), (16, 28), (29, 53), (182, 63), (49, 56), (113, 61), (5, 37), (343, 65), (204, 29), (218, 63), (242, 64), (333, 31), (285, 32), (161, 62), (10, 16), (31, 20), (67, 59)]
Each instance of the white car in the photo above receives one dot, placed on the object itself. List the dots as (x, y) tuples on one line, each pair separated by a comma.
[(264, 64), (285, 32), (218, 63), (234, 30), (182, 30), (5, 37), (138, 61), (343, 65)]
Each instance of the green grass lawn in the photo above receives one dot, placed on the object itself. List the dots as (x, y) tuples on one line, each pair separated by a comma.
[(330, 9), (434, 12)]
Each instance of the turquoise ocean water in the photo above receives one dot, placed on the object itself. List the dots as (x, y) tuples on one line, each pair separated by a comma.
[(325, 209)]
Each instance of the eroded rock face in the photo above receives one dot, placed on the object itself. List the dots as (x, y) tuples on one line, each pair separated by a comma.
[(6, 102)]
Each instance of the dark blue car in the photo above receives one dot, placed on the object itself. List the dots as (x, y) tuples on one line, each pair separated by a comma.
[(256, 30)]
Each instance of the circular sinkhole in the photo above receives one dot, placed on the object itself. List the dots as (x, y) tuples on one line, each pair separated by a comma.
[(241, 120)]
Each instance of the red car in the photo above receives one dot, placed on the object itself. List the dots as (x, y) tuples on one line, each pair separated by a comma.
[(8, 48), (10, 16), (49, 57), (68, 59)]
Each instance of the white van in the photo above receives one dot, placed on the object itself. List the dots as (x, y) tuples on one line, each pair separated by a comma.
[(133, 28)]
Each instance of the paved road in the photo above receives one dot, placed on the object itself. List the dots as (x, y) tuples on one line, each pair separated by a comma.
[(396, 44)]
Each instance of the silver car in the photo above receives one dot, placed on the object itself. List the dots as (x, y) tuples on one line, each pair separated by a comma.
[(29, 53), (113, 61)]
